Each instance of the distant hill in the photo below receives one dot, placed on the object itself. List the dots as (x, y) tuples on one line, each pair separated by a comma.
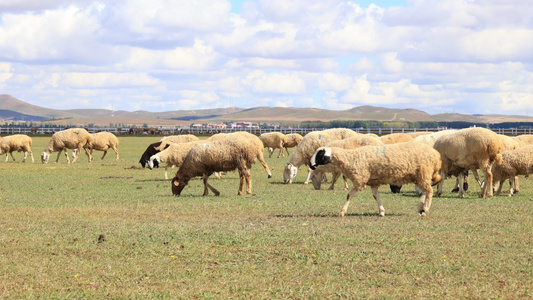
[(9, 115), (12, 108)]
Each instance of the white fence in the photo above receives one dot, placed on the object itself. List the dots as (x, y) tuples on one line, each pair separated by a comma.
[(257, 131)]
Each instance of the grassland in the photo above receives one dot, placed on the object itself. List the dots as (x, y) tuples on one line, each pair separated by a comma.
[(110, 230)]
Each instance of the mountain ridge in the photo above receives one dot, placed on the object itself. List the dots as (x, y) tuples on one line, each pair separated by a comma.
[(260, 114)]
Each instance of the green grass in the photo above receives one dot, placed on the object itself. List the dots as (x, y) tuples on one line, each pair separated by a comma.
[(284, 241)]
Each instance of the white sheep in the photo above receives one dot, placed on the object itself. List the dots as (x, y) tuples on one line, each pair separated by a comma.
[(74, 138), (524, 139), (173, 139), (469, 149), (514, 162), (233, 151), (293, 139), (357, 141), (172, 156), (307, 147), (274, 140), (393, 164), (16, 142), (101, 141), (395, 138)]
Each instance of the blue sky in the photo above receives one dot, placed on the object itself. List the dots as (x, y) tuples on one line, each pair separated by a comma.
[(464, 56)]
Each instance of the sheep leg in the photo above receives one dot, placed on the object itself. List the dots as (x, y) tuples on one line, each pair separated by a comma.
[(460, 180), (352, 192), (25, 156), (59, 153), (511, 185), (265, 166), (105, 152), (476, 176), (441, 183), (334, 178), (425, 198), (207, 185), (248, 179), (166, 171), (308, 176), (31, 155), (486, 191), (7, 157), (375, 193), (287, 149), (116, 151), (500, 185), (77, 154), (12, 156), (270, 152), (89, 154), (516, 185)]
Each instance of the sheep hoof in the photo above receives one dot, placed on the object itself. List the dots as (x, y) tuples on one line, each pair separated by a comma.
[(382, 214), (269, 176), (422, 213), (341, 214)]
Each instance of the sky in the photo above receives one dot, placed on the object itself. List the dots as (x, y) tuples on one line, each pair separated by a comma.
[(446, 56)]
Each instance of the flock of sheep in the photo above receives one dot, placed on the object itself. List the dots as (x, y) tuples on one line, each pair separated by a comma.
[(423, 158)]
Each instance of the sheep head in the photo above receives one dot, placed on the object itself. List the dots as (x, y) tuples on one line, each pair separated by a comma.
[(289, 172), (322, 156), (44, 157), (178, 184), (154, 162)]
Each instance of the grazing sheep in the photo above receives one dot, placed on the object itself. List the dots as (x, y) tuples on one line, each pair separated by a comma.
[(514, 162), (432, 137), (73, 138), (469, 149), (173, 155), (174, 139), (395, 138), (101, 141), (233, 151), (150, 150), (419, 133), (350, 143), (524, 139), (293, 139), (274, 140), (16, 142), (409, 162), (306, 148)]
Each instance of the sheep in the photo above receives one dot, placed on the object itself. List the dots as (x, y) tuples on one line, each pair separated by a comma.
[(150, 150), (73, 138), (173, 155), (432, 137), (233, 151), (394, 138), (514, 162), (409, 162), (274, 140), (305, 149), (293, 139), (16, 142), (524, 139), (101, 141), (173, 139), (350, 143), (468, 149)]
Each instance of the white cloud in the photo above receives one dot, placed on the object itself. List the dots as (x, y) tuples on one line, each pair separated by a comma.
[(450, 55), (108, 80)]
